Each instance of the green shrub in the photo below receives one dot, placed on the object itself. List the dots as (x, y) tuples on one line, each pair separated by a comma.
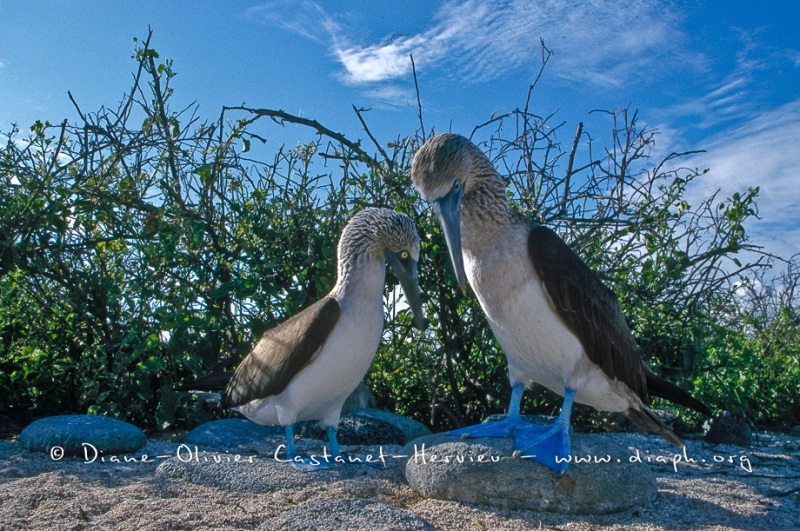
[(142, 248)]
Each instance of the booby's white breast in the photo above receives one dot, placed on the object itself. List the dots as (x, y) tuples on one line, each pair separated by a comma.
[(539, 346), (318, 391)]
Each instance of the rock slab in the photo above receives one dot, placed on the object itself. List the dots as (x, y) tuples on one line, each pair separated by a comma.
[(355, 429), (410, 428), (69, 435), (484, 472), (231, 435), (727, 430)]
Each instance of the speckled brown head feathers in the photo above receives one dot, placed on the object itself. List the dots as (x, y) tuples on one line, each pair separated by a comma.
[(372, 231)]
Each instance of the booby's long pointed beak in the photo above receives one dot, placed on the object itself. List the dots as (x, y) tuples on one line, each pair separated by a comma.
[(406, 273), (448, 208)]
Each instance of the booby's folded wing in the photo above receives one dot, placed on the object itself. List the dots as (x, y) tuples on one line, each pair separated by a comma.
[(216, 381), (281, 353), (588, 308)]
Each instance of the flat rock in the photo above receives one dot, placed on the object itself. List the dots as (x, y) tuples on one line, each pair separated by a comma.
[(361, 427), (71, 435), (484, 472), (337, 514), (725, 429), (411, 428), (231, 435), (358, 429)]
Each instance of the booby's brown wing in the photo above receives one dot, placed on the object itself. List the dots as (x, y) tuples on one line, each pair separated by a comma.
[(216, 381), (588, 308), (281, 353)]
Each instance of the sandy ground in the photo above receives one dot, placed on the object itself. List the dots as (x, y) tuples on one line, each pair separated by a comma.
[(735, 488)]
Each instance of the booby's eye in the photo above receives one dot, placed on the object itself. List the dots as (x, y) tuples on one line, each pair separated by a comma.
[(456, 185), (404, 255)]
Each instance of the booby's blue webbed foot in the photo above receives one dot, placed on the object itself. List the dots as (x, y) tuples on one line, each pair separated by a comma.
[(497, 428), (500, 428), (548, 445)]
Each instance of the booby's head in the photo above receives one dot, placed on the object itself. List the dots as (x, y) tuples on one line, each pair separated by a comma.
[(383, 234), (441, 172)]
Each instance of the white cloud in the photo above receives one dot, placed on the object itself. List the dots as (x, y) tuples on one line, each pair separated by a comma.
[(374, 63), (760, 152), (307, 18), (602, 42)]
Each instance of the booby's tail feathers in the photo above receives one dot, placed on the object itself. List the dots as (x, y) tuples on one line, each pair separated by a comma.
[(660, 387), (649, 421)]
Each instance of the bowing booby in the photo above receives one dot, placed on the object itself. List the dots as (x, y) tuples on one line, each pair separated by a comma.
[(557, 323), (306, 367)]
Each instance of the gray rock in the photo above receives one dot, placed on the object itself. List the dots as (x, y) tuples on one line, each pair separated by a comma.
[(727, 430), (82, 435), (483, 471), (371, 426), (347, 514), (355, 429), (411, 428), (361, 427), (359, 399), (231, 435)]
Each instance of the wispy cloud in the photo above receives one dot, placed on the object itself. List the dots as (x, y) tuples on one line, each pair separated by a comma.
[(743, 92), (794, 57), (304, 17), (604, 43), (760, 153), (391, 96), (726, 100)]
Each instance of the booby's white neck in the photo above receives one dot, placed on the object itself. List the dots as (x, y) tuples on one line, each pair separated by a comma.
[(361, 280)]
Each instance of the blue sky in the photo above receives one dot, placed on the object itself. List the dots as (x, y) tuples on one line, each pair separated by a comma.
[(722, 76)]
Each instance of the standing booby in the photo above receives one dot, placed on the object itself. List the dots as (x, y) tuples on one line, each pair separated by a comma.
[(557, 323), (306, 367)]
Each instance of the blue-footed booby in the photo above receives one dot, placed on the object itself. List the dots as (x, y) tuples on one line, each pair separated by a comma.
[(557, 323), (305, 368)]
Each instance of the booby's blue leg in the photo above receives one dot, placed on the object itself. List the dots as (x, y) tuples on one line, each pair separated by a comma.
[(291, 449), (500, 428), (301, 462), (333, 442), (548, 445)]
